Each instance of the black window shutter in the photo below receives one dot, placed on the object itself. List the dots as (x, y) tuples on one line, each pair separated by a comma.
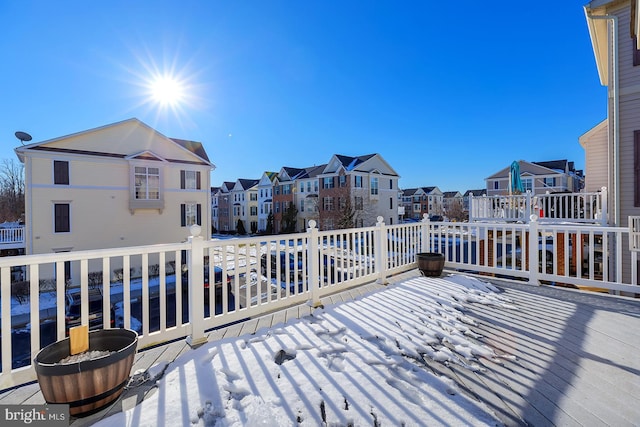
[(199, 213), (61, 212), (183, 215), (60, 172), (197, 180), (182, 180)]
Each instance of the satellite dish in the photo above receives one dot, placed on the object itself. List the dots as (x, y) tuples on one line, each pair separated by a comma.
[(23, 136)]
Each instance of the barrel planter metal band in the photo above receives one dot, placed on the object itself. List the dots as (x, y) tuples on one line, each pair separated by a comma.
[(89, 385)]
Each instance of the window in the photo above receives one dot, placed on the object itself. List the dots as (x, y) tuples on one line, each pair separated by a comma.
[(190, 180), (302, 187), (357, 181), (309, 186), (342, 203), (190, 214), (374, 186), (60, 172), (549, 182), (328, 182), (286, 189), (147, 183), (390, 184), (253, 197), (342, 180), (277, 207), (496, 185), (527, 184), (327, 203), (358, 203), (61, 213), (390, 202), (253, 210), (301, 205)]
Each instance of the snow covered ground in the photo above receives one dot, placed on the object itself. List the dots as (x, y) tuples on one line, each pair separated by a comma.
[(355, 363)]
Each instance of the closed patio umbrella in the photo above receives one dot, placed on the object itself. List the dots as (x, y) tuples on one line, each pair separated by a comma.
[(515, 183)]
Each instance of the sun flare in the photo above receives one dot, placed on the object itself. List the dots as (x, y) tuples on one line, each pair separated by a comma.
[(166, 90)]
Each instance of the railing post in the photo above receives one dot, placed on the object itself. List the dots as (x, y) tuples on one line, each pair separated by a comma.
[(604, 206), (195, 257), (314, 260), (426, 233), (380, 252), (527, 209), (534, 255)]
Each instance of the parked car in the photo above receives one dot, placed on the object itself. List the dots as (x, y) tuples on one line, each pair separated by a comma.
[(217, 280), (73, 310), (284, 261)]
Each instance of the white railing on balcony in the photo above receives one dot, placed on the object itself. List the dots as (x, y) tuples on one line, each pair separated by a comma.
[(181, 290), (550, 207), (11, 237)]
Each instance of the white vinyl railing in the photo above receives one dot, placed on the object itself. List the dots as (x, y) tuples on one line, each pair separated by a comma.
[(179, 290), (550, 207), (11, 235)]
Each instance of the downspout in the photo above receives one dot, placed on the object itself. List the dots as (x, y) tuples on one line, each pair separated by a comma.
[(616, 114)]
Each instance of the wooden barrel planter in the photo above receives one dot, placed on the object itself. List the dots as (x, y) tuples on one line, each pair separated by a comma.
[(88, 385), (430, 264)]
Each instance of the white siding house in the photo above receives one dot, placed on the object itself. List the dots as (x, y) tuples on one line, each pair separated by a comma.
[(123, 184)]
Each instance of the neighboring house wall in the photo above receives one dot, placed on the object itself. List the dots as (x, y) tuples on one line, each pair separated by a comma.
[(595, 143), (535, 178), (98, 204), (265, 198), (624, 177)]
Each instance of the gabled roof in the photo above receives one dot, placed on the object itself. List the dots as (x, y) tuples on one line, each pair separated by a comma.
[(291, 174), (409, 191), (451, 194), (227, 186), (119, 135), (193, 146), (526, 168), (246, 184), (367, 163), (314, 171), (350, 163), (558, 165), (475, 193)]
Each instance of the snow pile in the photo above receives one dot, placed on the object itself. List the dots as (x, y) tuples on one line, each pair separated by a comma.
[(364, 362)]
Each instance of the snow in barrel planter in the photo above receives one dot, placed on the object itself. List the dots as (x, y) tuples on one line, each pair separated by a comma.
[(430, 263), (92, 382)]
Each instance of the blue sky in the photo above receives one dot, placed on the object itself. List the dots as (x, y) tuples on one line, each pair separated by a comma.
[(447, 92)]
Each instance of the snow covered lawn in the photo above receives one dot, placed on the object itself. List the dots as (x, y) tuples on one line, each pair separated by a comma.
[(355, 363)]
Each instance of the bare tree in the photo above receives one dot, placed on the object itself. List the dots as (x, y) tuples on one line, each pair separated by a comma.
[(11, 190), (456, 212)]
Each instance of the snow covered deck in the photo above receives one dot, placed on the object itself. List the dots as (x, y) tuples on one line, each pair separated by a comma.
[(531, 355)]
